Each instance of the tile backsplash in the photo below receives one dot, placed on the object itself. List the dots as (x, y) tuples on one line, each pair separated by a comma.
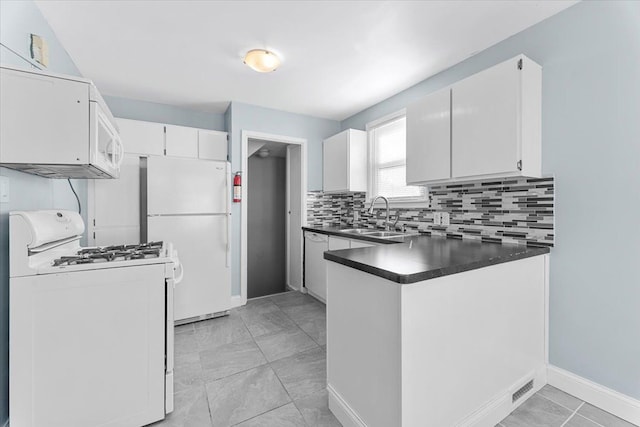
[(510, 210)]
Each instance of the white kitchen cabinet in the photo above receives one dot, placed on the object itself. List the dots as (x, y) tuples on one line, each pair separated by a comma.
[(181, 141), (315, 271), (344, 164), (140, 137), (496, 121), (114, 206), (212, 145), (493, 123), (478, 335), (336, 243), (361, 244), (429, 138)]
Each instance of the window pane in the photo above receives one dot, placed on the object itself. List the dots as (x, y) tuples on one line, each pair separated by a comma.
[(390, 142), (391, 183)]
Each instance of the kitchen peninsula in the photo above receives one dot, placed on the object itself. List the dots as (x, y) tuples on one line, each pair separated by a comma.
[(434, 331)]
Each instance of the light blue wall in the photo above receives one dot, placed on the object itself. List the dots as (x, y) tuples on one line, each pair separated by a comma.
[(27, 192), (163, 113), (244, 117), (590, 55)]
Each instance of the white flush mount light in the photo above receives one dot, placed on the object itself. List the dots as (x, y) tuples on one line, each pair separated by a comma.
[(263, 152), (262, 60)]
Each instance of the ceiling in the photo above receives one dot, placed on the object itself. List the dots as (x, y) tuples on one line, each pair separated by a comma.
[(339, 57)]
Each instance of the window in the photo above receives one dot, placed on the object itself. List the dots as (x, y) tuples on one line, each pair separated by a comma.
[(387, 160)]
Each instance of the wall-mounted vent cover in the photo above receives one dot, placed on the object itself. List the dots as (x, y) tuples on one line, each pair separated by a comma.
[(522, 391)]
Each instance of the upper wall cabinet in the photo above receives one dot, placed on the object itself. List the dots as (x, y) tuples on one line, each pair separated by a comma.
[(158, 139), (344, 164), (212, 145), (181, 141), (429, 131), (142, 137), (495, 128)]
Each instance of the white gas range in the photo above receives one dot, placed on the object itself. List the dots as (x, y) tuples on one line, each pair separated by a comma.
[(90, 329)]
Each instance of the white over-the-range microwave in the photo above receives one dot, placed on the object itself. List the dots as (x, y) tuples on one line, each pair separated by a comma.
[(56, 126)]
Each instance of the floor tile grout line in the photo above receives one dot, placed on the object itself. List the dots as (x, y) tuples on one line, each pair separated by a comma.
[(266, 412), (300, 352), (296, 323), (558, 403), (572, 414), (267, 363), (270, 364), (274, 372)]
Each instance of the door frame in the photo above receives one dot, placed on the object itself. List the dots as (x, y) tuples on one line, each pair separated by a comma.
[(302, 142)]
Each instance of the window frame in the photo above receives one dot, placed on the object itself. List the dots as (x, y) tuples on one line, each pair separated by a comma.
[(370, 127)]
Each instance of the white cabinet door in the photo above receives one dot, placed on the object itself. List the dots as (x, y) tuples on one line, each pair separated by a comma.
[(212, 145), (43, 120), (344, 163), (181, 141), (360, 244), (114, 206), (336, 243), (429, 138), (138, 137), (335, 163), (486, 108)]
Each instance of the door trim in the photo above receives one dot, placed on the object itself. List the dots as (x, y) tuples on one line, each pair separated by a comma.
[(302, 142)]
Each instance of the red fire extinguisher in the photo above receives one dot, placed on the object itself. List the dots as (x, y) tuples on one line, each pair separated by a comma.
[(237, 187)]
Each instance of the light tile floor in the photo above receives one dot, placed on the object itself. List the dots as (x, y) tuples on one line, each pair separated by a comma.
[(264, 365)]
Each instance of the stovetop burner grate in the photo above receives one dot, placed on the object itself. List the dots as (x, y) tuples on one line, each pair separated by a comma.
[(111, 253)]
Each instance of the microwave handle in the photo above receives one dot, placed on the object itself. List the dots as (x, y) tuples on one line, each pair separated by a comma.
[(119, 152)]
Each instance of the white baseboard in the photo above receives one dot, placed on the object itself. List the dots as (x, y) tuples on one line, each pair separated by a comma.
[(616, 403), (494, 411), (237, 301), (342, 410)]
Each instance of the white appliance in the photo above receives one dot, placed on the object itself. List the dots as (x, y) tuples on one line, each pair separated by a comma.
[(90, 329), (56, 126), (315, 267), (187, 203)]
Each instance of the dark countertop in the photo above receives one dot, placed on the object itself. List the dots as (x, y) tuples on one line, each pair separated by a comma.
[(415, 258)]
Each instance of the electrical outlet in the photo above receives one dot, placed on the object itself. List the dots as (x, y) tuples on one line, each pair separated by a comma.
[(437, 218), (444, 218)]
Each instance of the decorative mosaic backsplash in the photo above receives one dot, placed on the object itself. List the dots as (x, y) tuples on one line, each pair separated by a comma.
[(512, 210)]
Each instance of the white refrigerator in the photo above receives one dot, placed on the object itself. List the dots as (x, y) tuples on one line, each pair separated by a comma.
[(187, 203)]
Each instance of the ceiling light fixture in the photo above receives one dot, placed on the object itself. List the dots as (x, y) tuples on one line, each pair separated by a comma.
[(261, 60), (263, 152)]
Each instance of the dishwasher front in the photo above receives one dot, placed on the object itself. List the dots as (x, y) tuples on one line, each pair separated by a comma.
[(315, 270)]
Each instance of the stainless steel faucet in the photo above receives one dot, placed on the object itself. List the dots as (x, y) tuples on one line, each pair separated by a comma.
[(386, 203)]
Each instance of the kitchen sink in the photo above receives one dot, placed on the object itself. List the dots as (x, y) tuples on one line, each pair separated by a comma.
[(370, 232), (387, 234), (358, 230)]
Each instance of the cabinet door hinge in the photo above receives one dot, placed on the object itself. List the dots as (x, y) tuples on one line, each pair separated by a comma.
[(519, 165), (520, 64), (94, 222), (94, 235)]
